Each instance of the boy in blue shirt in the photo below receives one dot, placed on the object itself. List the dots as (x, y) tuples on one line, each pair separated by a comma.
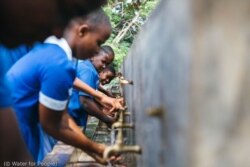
[(42, 80), (18, 27), (26, 21), (81, 104)]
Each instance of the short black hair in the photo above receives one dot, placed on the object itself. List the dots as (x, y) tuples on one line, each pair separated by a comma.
[(108, 49), (94, 19), (70, 9), (111, 68)]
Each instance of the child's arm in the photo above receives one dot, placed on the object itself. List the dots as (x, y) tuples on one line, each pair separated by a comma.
[(101, 89), (60, 125), (95, 109), (104, 100)]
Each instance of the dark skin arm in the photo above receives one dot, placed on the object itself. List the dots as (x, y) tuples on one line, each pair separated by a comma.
[(60, 125), (100, 88), (94, 109), (109, 103), (11, 139)]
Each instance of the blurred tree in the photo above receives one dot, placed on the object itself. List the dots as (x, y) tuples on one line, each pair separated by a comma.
[(127, 16)]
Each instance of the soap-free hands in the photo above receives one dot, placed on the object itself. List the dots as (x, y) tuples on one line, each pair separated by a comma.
[(111, 104), (115, 159)]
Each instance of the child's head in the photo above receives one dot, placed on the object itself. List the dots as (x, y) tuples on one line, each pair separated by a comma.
[(86, 34), (104, 57), (27, 21), (106, 75), (110, 53)]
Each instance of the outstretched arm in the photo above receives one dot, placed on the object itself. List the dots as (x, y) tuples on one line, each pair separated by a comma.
[(106, 101), (100, 88), (60, 125), (95, 109)]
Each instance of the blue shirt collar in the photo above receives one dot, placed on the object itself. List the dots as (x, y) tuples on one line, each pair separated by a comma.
[(62, 43)]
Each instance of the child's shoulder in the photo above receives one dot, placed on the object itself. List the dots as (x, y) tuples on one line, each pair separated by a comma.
[(85, 65)]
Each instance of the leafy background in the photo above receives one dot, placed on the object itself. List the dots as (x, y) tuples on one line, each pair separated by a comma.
[(127, 17)]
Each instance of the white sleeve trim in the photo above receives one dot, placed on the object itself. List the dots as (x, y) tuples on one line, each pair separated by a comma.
[(70, 91), (52, 103)]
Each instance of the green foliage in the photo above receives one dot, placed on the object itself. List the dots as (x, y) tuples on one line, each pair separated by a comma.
[(126, 24)]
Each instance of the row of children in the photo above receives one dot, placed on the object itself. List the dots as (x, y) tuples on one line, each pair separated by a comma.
[(42, 78), (95, 72)]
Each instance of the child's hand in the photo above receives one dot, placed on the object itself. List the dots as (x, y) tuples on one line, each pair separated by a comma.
[(112, 104), (120, 102), (109, 113), (117, 161), (97, 156), (114, 159)]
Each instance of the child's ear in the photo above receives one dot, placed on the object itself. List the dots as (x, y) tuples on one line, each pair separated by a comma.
[(83, 30)]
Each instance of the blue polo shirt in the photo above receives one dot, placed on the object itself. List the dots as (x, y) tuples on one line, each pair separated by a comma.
[(88, 74), (45, 75), (7, 58), (5, 99)]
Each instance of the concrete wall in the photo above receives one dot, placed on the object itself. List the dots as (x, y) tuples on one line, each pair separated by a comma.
[(191, 60)]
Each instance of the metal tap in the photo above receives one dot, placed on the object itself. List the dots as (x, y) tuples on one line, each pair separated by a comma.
[(121, 125), (124, 81), (119, 147), (127, 113)]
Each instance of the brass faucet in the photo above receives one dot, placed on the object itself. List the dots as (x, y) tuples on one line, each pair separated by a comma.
[(119, 147), (127, 113), (124, 81), (121, 125)]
